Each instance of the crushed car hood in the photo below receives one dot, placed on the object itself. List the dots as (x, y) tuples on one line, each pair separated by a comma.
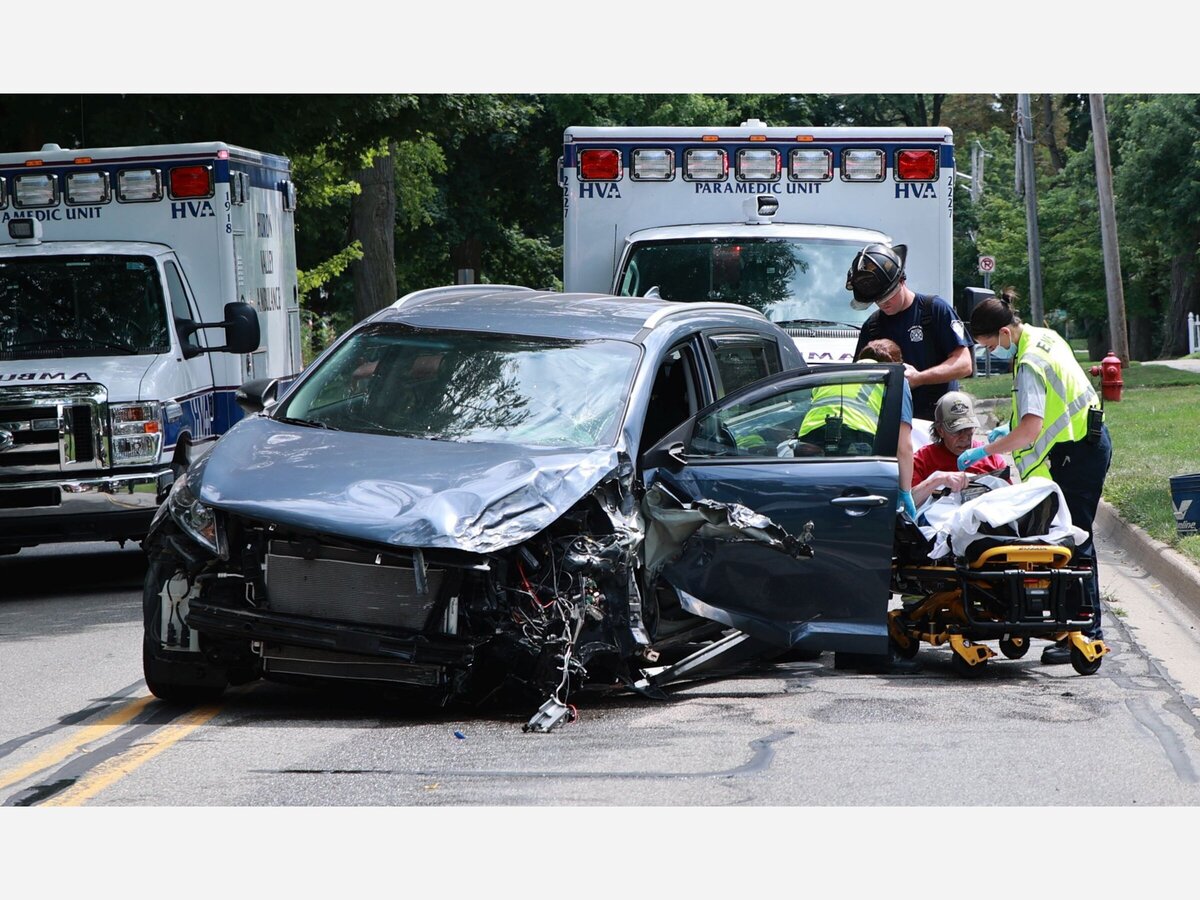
[(394, 490)]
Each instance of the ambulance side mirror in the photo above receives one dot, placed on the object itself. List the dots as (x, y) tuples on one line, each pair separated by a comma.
[(242, 334), (241, 329)]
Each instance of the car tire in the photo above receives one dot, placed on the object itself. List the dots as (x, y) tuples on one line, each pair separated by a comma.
[(183, 678)]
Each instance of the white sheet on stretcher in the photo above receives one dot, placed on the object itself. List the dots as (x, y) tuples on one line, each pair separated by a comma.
[(952, 523)]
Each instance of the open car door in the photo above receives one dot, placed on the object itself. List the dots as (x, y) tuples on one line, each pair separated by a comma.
[(795, 448)]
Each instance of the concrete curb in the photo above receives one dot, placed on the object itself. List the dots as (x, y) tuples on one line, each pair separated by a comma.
[(1176, 572)]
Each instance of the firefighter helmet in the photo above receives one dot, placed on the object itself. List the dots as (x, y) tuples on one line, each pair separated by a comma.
[(875, 273)]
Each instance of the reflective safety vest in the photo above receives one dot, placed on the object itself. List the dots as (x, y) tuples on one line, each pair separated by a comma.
[(1069, 395), (857, 404)]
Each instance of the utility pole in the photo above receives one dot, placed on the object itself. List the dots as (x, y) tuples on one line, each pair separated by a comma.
[(1118, 335), (1025, 163)]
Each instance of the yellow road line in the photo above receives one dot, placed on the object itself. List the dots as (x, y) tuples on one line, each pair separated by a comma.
[(72, 745), (118, 767)]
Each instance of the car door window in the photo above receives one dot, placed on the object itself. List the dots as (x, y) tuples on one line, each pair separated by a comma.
[(829, 416), (674, 396), (741, 359)]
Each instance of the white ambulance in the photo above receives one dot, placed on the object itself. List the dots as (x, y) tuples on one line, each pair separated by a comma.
[(139, 288), (767, 217)]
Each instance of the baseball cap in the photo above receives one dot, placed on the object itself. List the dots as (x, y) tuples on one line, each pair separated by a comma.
[(954, 412)]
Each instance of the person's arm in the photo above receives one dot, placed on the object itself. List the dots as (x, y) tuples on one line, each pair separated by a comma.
[(904, 456), (1026, 432), (956, 481), (956, 365)]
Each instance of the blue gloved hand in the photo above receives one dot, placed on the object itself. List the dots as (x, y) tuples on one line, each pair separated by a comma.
[(968, 457), (906, 503), (996, 433)]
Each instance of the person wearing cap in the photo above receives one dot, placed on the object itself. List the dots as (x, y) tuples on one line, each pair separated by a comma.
[(1056, 429), (935, 466), (932, 338)]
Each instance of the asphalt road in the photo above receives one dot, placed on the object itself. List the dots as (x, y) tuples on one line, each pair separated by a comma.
[(78, 728)]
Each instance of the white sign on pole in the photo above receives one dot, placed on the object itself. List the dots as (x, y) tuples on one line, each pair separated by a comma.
[(987, 264)]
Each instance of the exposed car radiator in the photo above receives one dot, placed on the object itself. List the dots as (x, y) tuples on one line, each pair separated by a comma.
[(348, 586)]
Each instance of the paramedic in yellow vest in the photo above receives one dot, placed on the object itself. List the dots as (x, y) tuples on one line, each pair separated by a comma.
[(856, 407), (1056, 429)]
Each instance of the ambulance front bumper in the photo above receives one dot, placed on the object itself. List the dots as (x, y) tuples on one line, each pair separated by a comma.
[(107, 507)]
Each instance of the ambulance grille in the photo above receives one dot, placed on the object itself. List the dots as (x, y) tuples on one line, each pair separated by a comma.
[(53, 428)]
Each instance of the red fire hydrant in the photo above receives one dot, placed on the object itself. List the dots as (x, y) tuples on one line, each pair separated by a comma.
[(1109, 371)]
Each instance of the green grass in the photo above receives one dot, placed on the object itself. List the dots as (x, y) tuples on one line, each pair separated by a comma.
[(1154, 433)]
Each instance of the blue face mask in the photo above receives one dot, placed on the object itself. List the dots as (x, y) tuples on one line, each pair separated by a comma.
[(1003, 352)]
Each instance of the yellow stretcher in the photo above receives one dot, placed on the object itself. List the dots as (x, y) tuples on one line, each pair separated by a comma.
[(1012, 592)]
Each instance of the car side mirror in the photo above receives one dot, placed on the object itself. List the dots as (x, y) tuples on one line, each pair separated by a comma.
[(670, 456), (257, 395)]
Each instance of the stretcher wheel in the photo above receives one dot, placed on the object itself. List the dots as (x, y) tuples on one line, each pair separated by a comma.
[(1013, 650), (909, 652), (964, 668), (1080, 663)]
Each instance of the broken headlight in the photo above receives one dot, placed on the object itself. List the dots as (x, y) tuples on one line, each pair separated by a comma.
[(191, 515)]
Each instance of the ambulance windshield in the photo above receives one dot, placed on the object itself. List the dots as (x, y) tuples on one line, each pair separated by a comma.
[(798, 283), (84, 305)]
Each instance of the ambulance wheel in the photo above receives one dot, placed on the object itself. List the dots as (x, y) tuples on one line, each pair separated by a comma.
[(1013, 650), (1080, 663), (964, 669)]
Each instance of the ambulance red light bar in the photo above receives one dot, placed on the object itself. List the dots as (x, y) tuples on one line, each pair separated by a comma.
[(33, 191), (190, 181), (862, 165), (916, 165), (652, 165), (139, 185), (758, 165), (88, 187), (810, 165), (599, 165), (705, 165)]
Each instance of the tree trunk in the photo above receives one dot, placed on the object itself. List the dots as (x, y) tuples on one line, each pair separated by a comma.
[(1097, 343), (373, 222), (1183, 300), (1048, 139), (1141, 337)]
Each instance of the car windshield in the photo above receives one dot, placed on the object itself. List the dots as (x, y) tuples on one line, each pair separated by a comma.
[(791, 281), (394, 379), (86, 305)]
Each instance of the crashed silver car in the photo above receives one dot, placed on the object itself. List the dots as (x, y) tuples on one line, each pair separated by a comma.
[(485, 489)]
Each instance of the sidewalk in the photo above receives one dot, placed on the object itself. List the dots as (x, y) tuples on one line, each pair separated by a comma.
[(1188, 365)]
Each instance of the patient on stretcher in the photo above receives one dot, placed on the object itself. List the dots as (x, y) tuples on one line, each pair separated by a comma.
[(989, 511)]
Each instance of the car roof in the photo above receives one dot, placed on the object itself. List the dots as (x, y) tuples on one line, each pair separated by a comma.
[(509, 309)]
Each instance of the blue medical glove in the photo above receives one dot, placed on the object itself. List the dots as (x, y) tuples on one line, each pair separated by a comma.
[(969, 457), (906, 503), (996, 433)]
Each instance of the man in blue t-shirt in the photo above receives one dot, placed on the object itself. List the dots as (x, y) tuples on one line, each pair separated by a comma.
[(933, 340)]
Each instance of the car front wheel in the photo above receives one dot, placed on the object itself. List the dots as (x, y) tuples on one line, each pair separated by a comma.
[(177, 677)]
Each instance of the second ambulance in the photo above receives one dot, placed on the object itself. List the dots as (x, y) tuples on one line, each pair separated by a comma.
[(766, 217)]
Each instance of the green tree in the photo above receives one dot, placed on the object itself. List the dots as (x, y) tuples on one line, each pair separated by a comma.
[(1156, 177)]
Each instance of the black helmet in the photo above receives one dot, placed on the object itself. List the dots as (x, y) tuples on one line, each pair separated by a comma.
[(875, 272)]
